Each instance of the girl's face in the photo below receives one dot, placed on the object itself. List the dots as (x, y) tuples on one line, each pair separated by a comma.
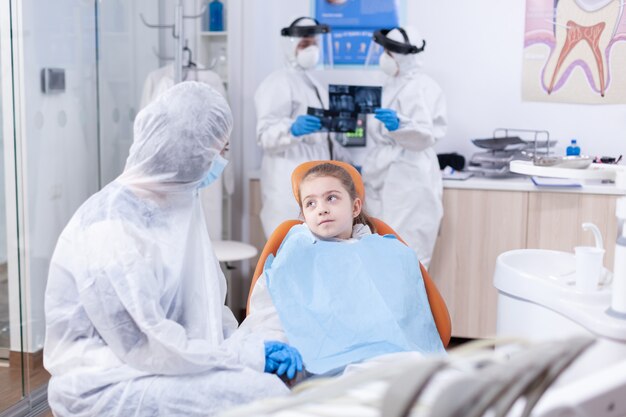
[(327, 207)]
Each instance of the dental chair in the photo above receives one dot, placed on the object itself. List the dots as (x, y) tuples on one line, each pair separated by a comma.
[(437, 304)]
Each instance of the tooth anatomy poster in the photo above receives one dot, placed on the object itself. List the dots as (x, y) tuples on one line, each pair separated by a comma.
[(575, 51)]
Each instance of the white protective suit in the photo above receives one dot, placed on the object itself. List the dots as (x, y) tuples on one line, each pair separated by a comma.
[(159, 81), (135, 315), (401, 172), (280, 99)]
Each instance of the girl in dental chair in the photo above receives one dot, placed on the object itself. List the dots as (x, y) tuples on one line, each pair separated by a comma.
[(337, 291)]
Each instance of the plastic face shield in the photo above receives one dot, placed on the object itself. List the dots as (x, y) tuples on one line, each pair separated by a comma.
[(296, 38), (380, 43), (373, 55)]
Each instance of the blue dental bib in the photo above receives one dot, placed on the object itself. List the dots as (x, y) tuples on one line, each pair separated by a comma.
[(343, 302)]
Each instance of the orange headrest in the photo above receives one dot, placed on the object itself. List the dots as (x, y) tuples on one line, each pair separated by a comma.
[(302, 169)]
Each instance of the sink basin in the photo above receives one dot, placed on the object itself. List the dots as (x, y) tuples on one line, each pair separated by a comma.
[(539, 263), (553, 271), (546, 278)]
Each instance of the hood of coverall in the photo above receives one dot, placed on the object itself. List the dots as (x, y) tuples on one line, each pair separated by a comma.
[(409, 63), (177, 137), (292, 35)]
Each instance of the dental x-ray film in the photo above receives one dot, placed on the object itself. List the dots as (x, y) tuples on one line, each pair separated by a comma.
[(335, 121), (354, 98), (324, 116), (348, 127)]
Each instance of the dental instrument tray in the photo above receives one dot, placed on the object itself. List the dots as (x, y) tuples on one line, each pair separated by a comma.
[(512, 143), (572, 162), (505, 146), (498, 144)]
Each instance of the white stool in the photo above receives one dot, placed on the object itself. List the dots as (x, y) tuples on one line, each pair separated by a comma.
[(231, 250), (228, 251)]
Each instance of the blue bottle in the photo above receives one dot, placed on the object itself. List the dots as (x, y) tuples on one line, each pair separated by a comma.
[(216, 16), (573, 149)]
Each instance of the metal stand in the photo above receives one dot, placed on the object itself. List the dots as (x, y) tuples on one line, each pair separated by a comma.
[(536, 133)]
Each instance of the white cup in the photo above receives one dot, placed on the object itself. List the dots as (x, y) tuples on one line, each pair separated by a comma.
[(589, 267)]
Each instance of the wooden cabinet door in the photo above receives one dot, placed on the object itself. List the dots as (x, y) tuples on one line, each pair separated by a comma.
[(477, 226), (555, 219)]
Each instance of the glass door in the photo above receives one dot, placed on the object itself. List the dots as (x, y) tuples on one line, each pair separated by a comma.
[(11, 353), (128, 52), (5, 325), (55, 120), (77, 73)]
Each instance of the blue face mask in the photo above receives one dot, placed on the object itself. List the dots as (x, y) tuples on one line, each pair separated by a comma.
[(217, 167)]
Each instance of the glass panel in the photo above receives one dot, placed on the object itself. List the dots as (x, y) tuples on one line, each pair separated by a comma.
[(127, 53), (78, 96), (5, 336), (11, 369), (59, 142)]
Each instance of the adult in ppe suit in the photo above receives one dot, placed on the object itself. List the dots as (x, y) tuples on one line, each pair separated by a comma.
[(400, 172), (287, 135), (135, 316)]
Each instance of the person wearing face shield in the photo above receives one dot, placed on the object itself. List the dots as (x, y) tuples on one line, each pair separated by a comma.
[(401, 172), (285, 132), (135, 316)]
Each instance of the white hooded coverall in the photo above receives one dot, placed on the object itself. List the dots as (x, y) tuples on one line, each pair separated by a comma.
[(401, 171), (135, 317), (280, 99), (283, 96)]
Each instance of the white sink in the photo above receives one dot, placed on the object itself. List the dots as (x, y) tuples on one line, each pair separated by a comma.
[(546, 278), (548, 264), (518, 271)]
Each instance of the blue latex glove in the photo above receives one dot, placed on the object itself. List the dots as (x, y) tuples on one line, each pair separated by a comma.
[(305, 124), (281, 358), (388, 117)]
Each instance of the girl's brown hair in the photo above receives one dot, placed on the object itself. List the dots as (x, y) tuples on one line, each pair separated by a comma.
[(335, 171)]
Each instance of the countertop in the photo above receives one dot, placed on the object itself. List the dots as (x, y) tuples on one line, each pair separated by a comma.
[(524, 183), (518, 183)]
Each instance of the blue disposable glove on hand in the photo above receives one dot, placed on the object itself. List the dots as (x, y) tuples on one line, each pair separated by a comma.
[(281, 358), (305, 124), (388, 117)]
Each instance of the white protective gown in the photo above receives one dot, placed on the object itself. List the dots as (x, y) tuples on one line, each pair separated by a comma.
[(401, 172), (159, 81), (280, 99), (135, 317)]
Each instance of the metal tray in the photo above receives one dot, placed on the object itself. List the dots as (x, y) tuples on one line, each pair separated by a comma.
[(498, 143), (571, 162)]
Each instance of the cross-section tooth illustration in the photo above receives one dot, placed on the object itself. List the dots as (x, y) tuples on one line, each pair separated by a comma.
[(583, 32)]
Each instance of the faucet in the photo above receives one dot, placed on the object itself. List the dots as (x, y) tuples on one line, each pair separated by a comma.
[(596, 234)]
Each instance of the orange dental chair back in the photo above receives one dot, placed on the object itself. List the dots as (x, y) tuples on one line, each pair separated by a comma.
[(437, 304)]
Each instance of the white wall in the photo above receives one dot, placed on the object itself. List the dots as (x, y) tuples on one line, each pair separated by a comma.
[(262, 54), (474, 50)]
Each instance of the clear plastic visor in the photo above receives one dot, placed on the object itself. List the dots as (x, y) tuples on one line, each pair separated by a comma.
[(293, 45), (374, 52)]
